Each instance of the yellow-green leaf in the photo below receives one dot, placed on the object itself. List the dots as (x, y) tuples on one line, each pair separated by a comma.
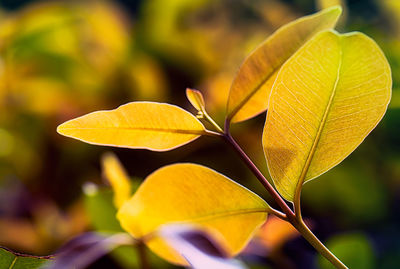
[(10, 260), (326, 99), (193, 194), (119, 180), (252, 85), (196, 99), (323, 4), (146, 125)]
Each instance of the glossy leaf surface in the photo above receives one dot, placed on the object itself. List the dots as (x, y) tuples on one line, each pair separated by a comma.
[(252, 85), (145, 125), (193, 194), (327, 98)]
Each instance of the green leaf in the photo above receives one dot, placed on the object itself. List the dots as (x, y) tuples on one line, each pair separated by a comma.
[(10, 260)]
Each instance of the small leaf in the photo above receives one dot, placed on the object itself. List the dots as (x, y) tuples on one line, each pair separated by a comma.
[(326, 99), (193, 194), (252, 85), (10, 260), (198, 247), (115, 173), (196, 99), (144, 125)]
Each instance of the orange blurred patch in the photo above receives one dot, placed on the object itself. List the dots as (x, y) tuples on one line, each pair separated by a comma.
[(276, 232)]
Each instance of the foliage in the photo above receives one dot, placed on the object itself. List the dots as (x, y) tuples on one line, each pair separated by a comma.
[(217, 204), (326, 99), (159, 127), (320, 110), (60, 60), (253, 82), (9, 260)]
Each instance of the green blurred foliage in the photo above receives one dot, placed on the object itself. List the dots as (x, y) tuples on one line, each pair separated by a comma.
[(352, 180), (101, 210), (354, 250)]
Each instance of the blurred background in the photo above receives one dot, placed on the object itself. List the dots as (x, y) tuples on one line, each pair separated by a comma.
[(63, 59)]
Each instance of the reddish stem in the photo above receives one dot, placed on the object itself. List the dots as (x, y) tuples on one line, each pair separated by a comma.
[(278, 199)]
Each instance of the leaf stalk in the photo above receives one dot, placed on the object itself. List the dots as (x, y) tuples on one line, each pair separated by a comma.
[(293, 218), (143, 261), (212, 122), (317, 244), (278, 199)]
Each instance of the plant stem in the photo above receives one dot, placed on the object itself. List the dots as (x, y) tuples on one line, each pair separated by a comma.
[(278, 199), (212, 133), (318, 245), (213, 123), (297, 204), (294, 218), (143, 262), (278, 214)]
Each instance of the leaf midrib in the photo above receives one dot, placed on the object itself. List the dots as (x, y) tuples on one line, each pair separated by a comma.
[(179, 131), (13, 262), (264, 80), (224, 214), (253, 92), (320, 128)]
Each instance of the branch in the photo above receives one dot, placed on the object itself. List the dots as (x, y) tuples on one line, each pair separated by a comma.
[(275, 195)]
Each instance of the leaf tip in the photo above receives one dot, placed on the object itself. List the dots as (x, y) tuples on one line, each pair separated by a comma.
[(190, 90), (60, 129), (195, 98), (334, 10)]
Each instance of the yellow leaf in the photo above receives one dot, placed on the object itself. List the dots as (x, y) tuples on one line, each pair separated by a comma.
[(146, 125), (193, 194), (326, 99), (252, 85), (196, 99), (115, 173)]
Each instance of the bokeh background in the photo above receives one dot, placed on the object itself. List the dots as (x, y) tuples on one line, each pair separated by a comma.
[(63, 59)]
